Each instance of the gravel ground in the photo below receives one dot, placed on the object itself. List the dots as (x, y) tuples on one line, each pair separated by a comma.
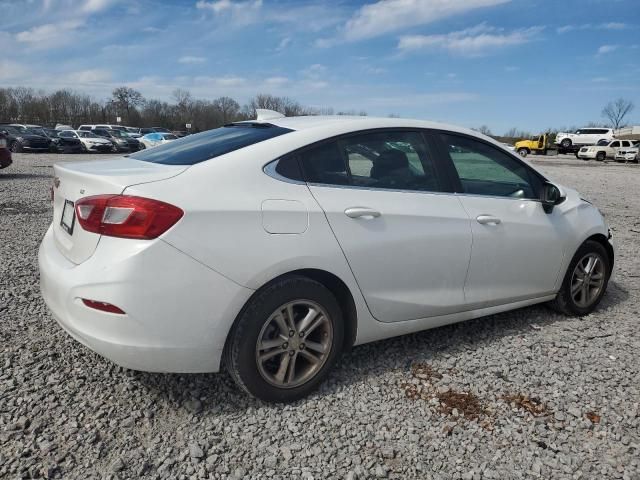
[(524, 394)]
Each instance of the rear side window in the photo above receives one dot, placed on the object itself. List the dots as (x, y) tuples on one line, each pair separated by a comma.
[(395, 160), (210, 144)]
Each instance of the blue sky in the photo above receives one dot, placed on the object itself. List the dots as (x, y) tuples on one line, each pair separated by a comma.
[(525, 64)]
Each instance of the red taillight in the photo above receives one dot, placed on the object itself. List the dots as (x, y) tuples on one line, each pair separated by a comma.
[(102, 306), (126, 216)]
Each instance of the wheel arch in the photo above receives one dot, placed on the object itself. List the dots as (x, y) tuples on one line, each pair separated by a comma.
[(335, 285), (602, 240)]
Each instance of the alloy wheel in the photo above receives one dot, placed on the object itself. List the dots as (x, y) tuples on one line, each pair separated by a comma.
[(587, 280), (294, 344)]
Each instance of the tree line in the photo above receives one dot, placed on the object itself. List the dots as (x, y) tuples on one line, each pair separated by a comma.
[(30, 106)]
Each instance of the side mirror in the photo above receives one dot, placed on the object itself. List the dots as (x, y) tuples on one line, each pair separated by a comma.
[(550, 197)]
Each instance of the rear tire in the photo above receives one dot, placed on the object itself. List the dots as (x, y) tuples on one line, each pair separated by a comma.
[(570, 297), (269, 353), (601, 156)]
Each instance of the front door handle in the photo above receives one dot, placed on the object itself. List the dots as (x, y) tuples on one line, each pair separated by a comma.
[(357, 212), (488, 220)]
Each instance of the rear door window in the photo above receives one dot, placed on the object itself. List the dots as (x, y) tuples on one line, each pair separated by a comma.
[(393, 160), (210, 144)]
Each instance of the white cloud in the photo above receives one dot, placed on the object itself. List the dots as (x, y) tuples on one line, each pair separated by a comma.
[(387, 16), (92, 6), (242, 12), (284, 43), (224, 81), (590, 26), (189, 59), (475, 41), (314, 71), (49, 34), (12, 70), (276, 81), (607, 49)]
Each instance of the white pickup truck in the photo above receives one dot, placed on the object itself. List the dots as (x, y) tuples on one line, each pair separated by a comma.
[(583, 136)]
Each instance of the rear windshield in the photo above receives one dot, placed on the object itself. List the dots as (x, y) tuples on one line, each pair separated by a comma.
[(212, 143)]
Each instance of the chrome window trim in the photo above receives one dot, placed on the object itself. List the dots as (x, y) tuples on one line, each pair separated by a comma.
[(427, 192)]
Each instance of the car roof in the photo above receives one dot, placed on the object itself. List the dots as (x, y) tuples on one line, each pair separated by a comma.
[(351, 123), (325, 126)]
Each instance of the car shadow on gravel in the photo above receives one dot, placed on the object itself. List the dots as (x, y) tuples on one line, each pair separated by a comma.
[(211, 394), (22, 176)]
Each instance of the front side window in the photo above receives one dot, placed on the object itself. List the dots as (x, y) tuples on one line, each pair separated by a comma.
[(485, 170), (396, 160), (615, 144)]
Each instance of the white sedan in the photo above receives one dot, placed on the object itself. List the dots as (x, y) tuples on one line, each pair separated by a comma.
[(90, 141), (156, 138), (270, 246)]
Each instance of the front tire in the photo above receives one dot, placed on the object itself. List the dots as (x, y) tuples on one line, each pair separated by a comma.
[(585, 282), (16, 147), (286, 340), (601, 156), (523, 152), (566, 143)]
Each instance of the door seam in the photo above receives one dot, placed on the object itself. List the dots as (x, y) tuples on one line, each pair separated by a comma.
[(466, 278), (355, 278)]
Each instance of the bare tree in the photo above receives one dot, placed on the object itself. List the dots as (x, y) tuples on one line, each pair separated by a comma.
[(228, 108), (616, 111), (126, 98), (484, 130)]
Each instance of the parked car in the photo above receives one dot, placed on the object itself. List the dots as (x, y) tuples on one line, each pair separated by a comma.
[(277, 243), (90, 141), (5, 153), (90, 127), (603, 150), (133, 132), (61, 126), (121, 141), (628, 154), (21, 139), (584, 136), (59, 144), (154, 139)]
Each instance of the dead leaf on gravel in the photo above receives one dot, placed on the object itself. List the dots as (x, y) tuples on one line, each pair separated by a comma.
[(424, 371), (466, 403), (531, 404), (593, 417)]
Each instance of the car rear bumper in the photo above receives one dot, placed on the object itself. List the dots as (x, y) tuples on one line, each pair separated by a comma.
[(178, 312)]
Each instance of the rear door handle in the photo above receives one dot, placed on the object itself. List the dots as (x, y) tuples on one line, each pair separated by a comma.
[(488, 220), (357, 212)]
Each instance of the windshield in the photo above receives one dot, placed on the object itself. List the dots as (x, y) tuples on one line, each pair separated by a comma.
[(212, 143), (85, 134), (118, 134), (161, 129)]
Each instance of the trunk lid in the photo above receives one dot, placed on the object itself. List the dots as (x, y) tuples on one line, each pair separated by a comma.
[(75, 180)]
